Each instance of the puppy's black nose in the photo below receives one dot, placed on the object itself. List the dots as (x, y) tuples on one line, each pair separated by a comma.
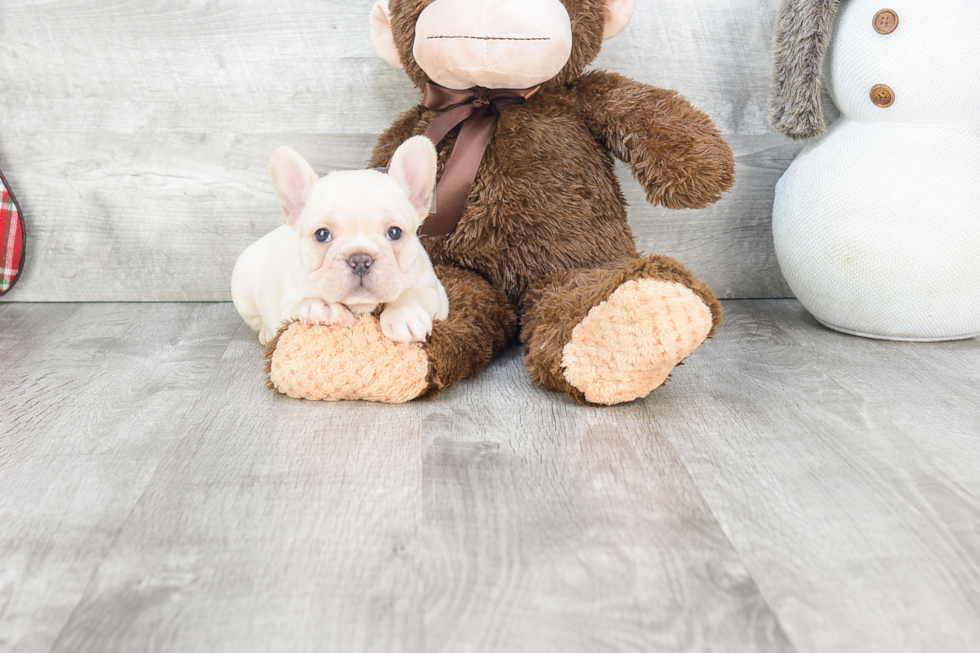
[(360, 264)]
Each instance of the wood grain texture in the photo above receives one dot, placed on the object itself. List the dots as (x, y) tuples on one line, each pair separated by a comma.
[(844, 470), (209, 66), (790, 489), (497, 518), (91, 397), (311, 513), (137, 134), (549, 527)]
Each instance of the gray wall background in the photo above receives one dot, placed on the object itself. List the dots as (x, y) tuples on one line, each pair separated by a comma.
[(136, 134)]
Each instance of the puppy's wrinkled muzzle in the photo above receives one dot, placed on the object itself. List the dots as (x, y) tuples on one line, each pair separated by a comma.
[(360, 264)]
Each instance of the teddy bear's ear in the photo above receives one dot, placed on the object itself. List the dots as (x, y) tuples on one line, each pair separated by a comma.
[(617, 16), (382, 36), (801, 38)]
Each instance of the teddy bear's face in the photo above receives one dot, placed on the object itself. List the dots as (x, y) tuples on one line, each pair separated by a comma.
[(495, 43), (519, 44)]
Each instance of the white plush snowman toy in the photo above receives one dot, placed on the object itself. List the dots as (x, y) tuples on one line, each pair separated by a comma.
[(877, 222)]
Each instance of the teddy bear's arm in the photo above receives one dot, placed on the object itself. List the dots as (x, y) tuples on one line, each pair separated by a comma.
[(673, 150), (404, 127)]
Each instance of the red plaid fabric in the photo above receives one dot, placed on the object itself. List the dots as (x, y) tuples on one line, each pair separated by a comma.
[(11, 239)]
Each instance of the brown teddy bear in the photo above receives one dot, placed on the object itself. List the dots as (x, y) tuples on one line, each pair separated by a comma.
[(530, 225)]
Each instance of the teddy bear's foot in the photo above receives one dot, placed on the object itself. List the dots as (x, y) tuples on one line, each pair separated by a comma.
[(335, 363), (626, 347), (609, 335)]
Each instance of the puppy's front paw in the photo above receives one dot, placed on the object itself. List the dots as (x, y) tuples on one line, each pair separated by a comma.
[(314, 311), (410, 323), (340, 315), (265, 336)]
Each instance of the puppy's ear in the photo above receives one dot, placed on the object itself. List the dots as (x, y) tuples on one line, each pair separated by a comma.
[(382, 35), (414, 168), (617, 16), (293, 179)]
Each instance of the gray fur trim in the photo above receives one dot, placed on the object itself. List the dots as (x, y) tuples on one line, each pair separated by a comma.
[(800, 41)]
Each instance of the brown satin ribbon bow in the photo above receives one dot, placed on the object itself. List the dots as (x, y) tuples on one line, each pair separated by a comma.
[(478, 109)]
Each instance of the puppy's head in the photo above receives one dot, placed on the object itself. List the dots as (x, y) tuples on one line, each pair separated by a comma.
[(358, 229)]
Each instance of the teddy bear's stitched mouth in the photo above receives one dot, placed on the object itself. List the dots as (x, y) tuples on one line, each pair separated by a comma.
[(493, 38)]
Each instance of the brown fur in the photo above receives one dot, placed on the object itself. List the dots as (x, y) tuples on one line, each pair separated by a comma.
[(545, 223), (481, 323), (528, 217)]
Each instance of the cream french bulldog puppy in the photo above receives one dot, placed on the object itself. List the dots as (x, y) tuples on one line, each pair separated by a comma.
[(348, 245)]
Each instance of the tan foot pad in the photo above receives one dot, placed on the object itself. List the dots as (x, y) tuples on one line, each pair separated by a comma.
[(626, 347), (333, 363)]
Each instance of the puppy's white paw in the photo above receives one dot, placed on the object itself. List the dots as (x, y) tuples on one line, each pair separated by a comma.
[(314, 311), (340, 315), (410, 323), (265, 337)]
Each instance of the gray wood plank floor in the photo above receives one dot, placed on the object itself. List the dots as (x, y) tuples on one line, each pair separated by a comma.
[(790, 489)]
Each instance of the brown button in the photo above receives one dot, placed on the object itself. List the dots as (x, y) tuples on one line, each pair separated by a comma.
[(886, 21), (883, 96)]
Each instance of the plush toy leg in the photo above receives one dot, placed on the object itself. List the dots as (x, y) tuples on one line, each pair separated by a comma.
[(334, 363), (609, 336)]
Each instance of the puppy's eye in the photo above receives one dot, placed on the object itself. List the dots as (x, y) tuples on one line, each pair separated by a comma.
[(322, 235), (394, 233)]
